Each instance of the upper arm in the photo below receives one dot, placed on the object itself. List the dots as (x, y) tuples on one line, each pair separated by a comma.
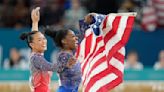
[(82, 28)]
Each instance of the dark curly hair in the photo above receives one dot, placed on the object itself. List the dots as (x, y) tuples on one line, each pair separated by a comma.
[(56, 35)]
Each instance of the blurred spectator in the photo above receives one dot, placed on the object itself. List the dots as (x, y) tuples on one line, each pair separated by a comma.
[(14, 13), (0, 56), (20, 14), (75, 13), (133, 6), (52, 14), (153, 15), (38, 3), (132, 61), (54, 55), (6, 14), (103, 7), (15, 61), (25, 53), (89, 4), (160, 63), (67, 4)]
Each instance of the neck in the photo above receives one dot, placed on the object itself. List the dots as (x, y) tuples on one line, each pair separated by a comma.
[(67, 50), (33, 51)]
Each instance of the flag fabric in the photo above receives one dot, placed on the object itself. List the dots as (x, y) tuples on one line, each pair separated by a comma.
[(102, 56), (153, 15)]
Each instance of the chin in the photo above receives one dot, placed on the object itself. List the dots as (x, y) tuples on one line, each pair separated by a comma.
[(76, 46), (45, 49), (73, 48)]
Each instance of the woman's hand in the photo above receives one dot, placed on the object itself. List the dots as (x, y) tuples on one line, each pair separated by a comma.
[(35, 15), (89, 18)]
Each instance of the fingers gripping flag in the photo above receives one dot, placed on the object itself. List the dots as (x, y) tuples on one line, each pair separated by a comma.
[(102, 57)]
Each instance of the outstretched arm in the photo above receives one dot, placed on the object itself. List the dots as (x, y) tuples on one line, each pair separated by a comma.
[(35, 16), (41, 63)]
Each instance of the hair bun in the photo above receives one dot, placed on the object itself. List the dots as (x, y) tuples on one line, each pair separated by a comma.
[(23, 36), (49, 31)]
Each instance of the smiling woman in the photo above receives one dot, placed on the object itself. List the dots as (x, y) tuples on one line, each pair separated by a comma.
[(36, 41), (69, 75), (40, 68)]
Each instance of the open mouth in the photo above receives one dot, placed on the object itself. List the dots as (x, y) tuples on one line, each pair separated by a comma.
[(44, 46), (76, 42)]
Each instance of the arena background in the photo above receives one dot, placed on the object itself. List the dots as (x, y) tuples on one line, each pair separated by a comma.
[(15, 19)]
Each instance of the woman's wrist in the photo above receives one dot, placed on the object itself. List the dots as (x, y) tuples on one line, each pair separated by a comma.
[(35, 26)]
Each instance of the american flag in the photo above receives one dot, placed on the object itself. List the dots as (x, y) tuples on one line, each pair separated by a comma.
[(102, 56)]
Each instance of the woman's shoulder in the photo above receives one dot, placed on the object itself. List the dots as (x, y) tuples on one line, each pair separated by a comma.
[(36, 56)]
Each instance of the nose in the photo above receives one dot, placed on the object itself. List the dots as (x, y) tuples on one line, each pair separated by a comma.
[(44, 41), (76, 38)]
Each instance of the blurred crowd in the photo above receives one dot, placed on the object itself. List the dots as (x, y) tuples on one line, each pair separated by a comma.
[(67, 12), (132, 61), (19, 59), (16, 14)]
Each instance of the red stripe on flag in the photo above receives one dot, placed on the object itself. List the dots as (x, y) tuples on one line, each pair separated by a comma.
[(105, 22), (128, 30), (119, 56), (113, 31), (77, 51), (94, 53), (101, 75), (88, 44), (111, 53), (96, 78), (97, 41), (110, 85), (115, 70), (101, 49), (124, 39), (101, 60)]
